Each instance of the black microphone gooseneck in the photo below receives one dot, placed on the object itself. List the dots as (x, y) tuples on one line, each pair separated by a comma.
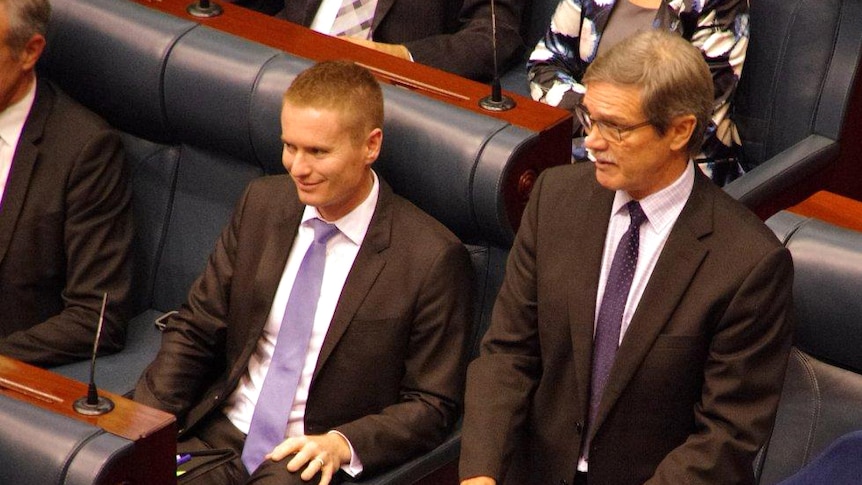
[(497, 101), (92, 404)]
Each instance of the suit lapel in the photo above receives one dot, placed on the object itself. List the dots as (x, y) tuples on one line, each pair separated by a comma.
[(300, 12), (368, 264), (23, 165), (590, 226), (681, 257), (274, 251), (380, 12)]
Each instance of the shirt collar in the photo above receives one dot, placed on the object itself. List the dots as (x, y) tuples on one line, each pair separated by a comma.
[(663, 207), (355, 223), (12, 118)]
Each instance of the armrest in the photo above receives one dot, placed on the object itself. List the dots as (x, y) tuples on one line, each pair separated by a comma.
[(39, 446), (421, 466), (119, 372), (784, 169)]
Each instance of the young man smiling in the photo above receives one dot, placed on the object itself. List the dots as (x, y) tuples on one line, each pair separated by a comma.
[(642, 331), (327, 335)]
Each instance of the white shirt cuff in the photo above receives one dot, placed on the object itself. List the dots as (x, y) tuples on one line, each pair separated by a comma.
[(353, 468)]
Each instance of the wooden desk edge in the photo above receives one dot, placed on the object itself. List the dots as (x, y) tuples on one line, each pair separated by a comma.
[(57, 393), (832, 208), (303, 42)]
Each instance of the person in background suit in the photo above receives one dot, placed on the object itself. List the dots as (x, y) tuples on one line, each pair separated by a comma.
[(642, 331), (65, 217), (452, 35), (381, 376)]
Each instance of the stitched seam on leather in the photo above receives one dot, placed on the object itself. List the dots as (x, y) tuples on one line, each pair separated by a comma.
[(163, 237), (817, 404), (63, 476), (254, 86)]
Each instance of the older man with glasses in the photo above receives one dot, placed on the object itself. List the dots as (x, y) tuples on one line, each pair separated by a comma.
[(642, 331)]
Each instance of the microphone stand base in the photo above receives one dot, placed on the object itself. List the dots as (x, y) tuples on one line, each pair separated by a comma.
[(102, 406), (505, 103), (196, 10)]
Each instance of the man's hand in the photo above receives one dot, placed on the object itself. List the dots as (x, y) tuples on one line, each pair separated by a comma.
[(479, 481), (324, 453), (396, 50)]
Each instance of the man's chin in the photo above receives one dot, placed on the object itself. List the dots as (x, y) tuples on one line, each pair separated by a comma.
[(606, 179)]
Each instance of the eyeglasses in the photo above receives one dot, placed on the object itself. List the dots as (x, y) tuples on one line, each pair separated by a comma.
[(609, 131)]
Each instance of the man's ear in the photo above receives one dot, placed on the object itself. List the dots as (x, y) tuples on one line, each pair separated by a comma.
[(32, 51), (680, 131), (372, 145)]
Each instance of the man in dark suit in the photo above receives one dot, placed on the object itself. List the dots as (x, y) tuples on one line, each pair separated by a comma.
[(382, 372), (660, 366), (65, 218), (452, 35)]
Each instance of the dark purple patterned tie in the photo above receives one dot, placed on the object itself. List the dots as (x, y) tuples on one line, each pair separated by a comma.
[(610, 317), (269, 421)]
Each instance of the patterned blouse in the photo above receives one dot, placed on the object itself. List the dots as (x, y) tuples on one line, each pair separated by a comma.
[(719, 28)]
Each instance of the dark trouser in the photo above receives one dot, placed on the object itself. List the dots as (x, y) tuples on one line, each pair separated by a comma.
[(218, 434)]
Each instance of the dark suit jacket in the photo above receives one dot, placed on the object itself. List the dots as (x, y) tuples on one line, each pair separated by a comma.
[(693, 392), (391, 370), (452, 35), (65, 235)]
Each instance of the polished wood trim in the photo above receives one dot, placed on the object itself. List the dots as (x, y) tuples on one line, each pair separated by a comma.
[(304, 42), (153, 432), (832, 208)]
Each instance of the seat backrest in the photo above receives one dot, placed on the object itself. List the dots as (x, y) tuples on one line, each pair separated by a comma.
[(823, 386), (200, 113), (798, 74)]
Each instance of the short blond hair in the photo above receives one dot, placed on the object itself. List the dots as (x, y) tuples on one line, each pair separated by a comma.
[(341, 86), (671, 73)]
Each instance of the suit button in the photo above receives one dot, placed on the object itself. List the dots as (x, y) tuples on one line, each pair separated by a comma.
[(563, 481), (579, 427)]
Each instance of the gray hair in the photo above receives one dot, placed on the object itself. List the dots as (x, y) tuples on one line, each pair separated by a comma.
[(26, 19), (673, 77)]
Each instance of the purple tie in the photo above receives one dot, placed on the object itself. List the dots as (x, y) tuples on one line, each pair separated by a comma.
[(269, 422), (610, 317)]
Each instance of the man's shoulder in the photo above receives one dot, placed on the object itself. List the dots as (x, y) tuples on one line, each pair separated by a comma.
[(737, 227), (411, 222), (569, 186), (63, 111), (268, 192)]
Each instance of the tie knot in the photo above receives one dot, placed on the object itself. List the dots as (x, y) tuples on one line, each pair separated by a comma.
[(636, 213), (323, 231)]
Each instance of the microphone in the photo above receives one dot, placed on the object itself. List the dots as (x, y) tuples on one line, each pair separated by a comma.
[(497, 101), (204, 9), (92, 404)]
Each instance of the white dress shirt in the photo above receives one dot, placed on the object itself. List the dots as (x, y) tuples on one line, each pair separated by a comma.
[(662, 210), (11, 125), (325, 17), (341, 252)]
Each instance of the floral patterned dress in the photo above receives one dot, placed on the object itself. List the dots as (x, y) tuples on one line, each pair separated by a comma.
[(718, 28)]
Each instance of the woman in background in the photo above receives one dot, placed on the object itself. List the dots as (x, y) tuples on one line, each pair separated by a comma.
[(582, 29)]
